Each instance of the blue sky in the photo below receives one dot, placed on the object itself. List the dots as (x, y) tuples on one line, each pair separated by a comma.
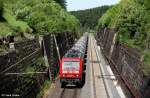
[(73, 5)]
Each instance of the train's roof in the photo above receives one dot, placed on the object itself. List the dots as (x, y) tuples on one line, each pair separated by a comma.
[(73, 53), (78, 49)]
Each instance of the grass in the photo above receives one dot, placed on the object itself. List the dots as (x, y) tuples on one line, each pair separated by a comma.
[(30, 69), (147, 57), (147, 62), (44, 88)]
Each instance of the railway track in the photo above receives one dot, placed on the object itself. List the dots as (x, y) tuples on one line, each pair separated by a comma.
[(94, 46), (57, 92), (94, 86), (96, 74), (70, 91), (67, 93), (91, 57)]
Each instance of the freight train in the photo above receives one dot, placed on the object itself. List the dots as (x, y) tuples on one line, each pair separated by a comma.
[(72, 65)]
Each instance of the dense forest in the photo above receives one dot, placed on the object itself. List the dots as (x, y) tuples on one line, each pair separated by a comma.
[(62, 3), (22, 17), (131, 18), (89, 17)]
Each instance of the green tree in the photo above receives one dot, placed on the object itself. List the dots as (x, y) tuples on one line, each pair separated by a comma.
[(89, 17), (39, 17), (62, 3), (131, 18)]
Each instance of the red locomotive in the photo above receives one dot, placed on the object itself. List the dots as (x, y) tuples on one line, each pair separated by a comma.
[(72, 65)]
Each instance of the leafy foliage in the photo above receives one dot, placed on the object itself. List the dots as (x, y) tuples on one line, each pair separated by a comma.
[(39, 16), (89, 17), (62, 3), (147, 57), (1, 9), (131, 18)]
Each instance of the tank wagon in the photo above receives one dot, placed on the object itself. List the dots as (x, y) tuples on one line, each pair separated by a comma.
[(72, 64)]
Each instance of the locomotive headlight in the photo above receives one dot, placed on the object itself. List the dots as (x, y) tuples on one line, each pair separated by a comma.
[(77, 75)]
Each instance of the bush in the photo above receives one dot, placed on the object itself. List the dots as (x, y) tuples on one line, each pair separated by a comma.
[(147, 57), (131, 18), (42, 16)]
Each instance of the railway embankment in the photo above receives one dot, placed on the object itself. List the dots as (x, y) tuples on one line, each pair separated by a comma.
[(126, 62)]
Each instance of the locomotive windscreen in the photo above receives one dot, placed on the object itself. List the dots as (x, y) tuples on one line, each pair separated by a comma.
[(70, 66)]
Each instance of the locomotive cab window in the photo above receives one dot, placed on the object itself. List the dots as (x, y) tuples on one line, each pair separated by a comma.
[(71, 63), (70, 66)]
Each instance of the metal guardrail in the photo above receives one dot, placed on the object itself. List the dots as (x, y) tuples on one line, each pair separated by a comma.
[(13, 75), (126, 61)]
